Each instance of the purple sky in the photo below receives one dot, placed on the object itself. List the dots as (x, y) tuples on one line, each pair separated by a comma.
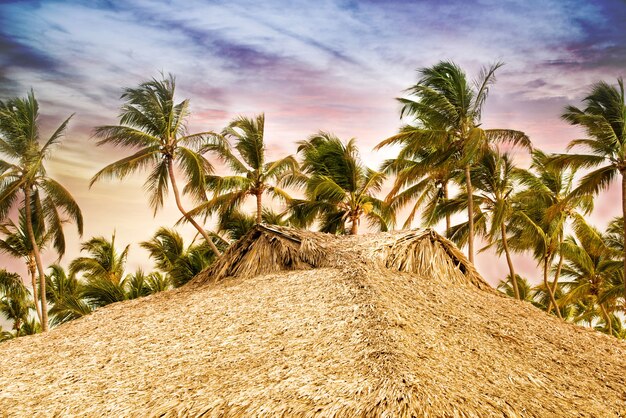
[(324, 65)]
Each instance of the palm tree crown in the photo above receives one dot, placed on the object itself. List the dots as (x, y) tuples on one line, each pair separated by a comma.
[(242, 147), (339, 189)]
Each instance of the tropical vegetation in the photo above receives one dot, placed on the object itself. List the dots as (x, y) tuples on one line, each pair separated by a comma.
[(449, 172)]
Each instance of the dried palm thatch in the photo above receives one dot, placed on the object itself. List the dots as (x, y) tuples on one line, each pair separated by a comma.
[(346, 335), (427, 253), (266, 250)]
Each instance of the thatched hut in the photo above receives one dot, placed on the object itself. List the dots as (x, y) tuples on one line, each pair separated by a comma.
[(300, 324)]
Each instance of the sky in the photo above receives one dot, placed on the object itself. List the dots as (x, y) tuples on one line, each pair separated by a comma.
[(326, 65)]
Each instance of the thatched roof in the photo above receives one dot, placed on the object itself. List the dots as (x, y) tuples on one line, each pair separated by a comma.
[(291, 323)]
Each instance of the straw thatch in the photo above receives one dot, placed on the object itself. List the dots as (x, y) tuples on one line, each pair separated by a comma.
[(347, 327)]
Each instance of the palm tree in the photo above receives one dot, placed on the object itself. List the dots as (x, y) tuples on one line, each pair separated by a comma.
[(23, 173), (447, 110), (591, 267), (171, 257), (525, 289), (235, 224), (14, 304), (417, 180), (65, 295), (153, 125), (339, 189), (253, 175), (16, 243), (104, 261), (614, 233), (542, 211), (5, 335), (493, 180), (604, 122), (139, 284)]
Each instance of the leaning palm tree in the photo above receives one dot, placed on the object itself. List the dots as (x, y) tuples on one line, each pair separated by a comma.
[(604, 122), (153, 125), (339, 189), (23, 173), (242, 147), (447, 110)]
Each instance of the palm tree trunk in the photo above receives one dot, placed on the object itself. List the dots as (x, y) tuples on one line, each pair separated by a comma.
[(505, 245), (259, 207), (170, 170), (549, 289), (448, 216), (624, 219), (42, 277), (470, 214), (32, 269), (607, 318), (354, 230), (557, 274)]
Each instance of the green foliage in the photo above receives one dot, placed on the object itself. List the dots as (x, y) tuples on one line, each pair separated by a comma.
[(15, 305), (153, 125), (241, 146), (339, 189), (179, 263), (23, 169)]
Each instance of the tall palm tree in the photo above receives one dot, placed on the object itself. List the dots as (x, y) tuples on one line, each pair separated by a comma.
[(542, 211), (23, 173), (153, 125), (339, 189), (242, 147), (14, 303), (447, 110), (493, 182), (604, 122)]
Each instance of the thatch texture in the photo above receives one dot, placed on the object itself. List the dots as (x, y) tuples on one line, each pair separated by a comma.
[(343, 334)]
